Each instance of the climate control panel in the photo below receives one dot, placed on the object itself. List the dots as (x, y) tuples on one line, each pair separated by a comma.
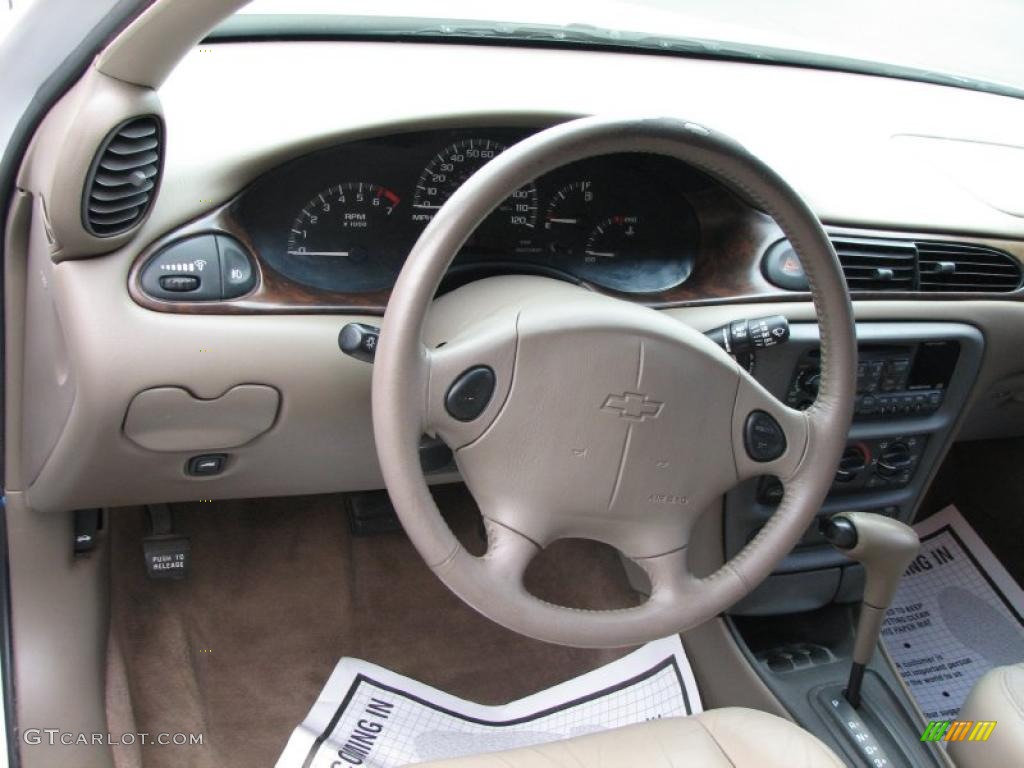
[(866, 465), (887, 462)]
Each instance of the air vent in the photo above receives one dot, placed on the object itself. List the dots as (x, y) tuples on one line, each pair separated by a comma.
[(877, 265), (961, 268), (123, 178)]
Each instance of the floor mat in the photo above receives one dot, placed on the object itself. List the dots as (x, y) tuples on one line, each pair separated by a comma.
[(372, 717), (957, 614), (279, 590), (987, 487)]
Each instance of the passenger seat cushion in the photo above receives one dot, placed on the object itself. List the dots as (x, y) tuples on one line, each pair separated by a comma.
[(998, 696), (722, 738)]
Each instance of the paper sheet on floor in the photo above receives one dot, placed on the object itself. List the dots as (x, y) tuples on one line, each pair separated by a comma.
[(368, 716), (957, 614)]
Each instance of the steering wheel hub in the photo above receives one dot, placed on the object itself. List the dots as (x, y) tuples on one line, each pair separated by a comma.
[(610, 429)]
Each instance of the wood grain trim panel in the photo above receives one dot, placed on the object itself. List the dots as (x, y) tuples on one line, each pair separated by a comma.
[(727, 268)]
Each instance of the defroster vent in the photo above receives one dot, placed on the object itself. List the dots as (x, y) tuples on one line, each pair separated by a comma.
[(123, 179)]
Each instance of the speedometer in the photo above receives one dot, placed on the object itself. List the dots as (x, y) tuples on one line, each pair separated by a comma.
[(452, 166)]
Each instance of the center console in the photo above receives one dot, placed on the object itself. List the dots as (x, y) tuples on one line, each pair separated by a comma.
[(913, 380), (797, 628)]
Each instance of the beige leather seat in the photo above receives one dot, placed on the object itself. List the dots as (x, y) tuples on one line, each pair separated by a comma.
[(731, 737), (998, 696)]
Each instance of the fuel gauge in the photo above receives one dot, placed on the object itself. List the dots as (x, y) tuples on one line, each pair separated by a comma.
[(616, 236)]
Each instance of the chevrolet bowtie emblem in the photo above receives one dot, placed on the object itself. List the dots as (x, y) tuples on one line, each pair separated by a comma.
[(633, 406)]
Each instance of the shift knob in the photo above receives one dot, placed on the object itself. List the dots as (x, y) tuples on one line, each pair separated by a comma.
[(885, 547)]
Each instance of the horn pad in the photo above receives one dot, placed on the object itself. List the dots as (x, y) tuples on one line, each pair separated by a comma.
[(612, 429)]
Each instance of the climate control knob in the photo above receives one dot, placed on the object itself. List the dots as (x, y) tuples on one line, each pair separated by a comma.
[(894, 458), (810, 381), (853, 461)]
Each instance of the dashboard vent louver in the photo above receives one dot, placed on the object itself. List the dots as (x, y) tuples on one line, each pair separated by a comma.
[(123, 178), (877, 265), (961, 268)]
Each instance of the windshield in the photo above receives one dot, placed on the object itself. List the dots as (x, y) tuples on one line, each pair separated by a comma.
[(974, 45)]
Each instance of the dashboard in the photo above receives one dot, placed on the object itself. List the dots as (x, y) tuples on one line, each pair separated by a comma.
[(330, 230), (240, 169)]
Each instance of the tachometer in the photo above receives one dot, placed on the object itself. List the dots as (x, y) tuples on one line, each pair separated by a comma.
[(347, 221), (449, 169)]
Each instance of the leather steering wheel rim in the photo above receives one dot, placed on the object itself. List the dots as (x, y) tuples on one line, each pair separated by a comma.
[(410, 380)]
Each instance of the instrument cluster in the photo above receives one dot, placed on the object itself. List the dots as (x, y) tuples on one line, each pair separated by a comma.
[(343, 219)]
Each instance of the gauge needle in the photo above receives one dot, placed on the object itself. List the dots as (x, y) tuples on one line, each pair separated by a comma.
[(318, 253), (564, 221), (605, 254)]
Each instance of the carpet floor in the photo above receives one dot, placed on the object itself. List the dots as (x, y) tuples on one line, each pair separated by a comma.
[(279, 591)]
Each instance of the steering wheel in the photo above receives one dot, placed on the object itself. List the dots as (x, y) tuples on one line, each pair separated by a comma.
[(573, 414)]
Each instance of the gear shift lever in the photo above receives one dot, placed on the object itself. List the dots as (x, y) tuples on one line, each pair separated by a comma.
[(885, 548)]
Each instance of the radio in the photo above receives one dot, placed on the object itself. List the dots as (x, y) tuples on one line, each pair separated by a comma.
[(892, 380)]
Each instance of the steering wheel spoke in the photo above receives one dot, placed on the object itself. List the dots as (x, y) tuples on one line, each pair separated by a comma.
[(769, 437), (468, 381), (509, 552)]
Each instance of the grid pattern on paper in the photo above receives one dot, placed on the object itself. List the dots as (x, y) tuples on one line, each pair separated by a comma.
[(948, 626), (417, 731)]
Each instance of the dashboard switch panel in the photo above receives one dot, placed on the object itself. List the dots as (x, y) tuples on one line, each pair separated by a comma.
[(202, 268)]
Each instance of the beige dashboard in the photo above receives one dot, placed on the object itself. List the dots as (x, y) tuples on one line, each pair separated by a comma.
[(848, 143)]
